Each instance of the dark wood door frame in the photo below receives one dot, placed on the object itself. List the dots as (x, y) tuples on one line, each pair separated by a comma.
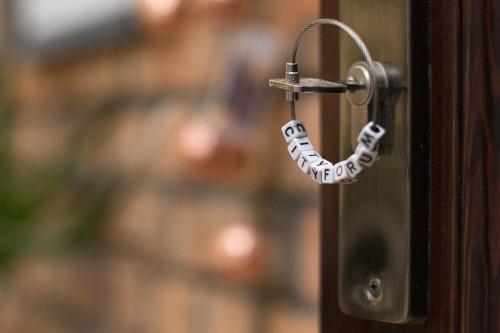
[(460, 90)]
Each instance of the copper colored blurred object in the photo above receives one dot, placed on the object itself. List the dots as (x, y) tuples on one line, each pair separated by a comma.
[(227, 9), (199, 140), (210, 153), (239, 253), (156, 14)]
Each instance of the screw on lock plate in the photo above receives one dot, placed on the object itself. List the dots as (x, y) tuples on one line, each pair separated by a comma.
[(374, 289)]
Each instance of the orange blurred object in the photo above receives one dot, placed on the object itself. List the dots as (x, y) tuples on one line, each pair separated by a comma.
[(208, 152), (156, 14), (199, 140), (239, 253)]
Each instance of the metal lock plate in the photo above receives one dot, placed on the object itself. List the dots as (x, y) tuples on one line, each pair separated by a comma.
[(382, 261)]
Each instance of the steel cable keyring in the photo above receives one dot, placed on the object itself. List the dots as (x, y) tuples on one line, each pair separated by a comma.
[(354, 37), (295, 133)]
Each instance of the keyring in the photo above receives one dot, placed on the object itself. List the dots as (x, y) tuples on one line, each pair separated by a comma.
[(300, 147)]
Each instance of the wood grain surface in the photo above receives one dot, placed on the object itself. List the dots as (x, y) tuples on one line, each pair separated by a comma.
[(480, 209)]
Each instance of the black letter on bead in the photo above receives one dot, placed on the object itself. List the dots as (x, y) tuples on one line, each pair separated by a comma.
[(326, 173), (365, 158), (301, 128), (367, 139), (351, 167), (339, 170), (289, 128)]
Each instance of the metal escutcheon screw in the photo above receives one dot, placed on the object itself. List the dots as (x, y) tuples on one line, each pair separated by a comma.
[(374, 290)]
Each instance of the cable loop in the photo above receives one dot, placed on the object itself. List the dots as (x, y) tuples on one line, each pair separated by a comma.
[(357, 40)]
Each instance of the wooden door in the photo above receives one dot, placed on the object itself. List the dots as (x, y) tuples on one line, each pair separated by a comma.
[(457, 44)]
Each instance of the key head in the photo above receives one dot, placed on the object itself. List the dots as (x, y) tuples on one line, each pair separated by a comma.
[(312, 85)]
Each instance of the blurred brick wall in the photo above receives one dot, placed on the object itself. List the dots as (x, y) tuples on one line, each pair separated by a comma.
[(159, 122)]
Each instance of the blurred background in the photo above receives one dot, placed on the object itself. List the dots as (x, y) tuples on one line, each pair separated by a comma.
[(144, 182)]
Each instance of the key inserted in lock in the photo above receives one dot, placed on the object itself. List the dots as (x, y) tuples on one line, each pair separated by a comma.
[(359, 86), (293, 84), (374, 87)]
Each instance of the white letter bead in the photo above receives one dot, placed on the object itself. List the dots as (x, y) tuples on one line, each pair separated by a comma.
[(341, 175), (353, 167), (294, 129), (306, 158), (299, 145), (366, 157), (370, 135), (317, 168)]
